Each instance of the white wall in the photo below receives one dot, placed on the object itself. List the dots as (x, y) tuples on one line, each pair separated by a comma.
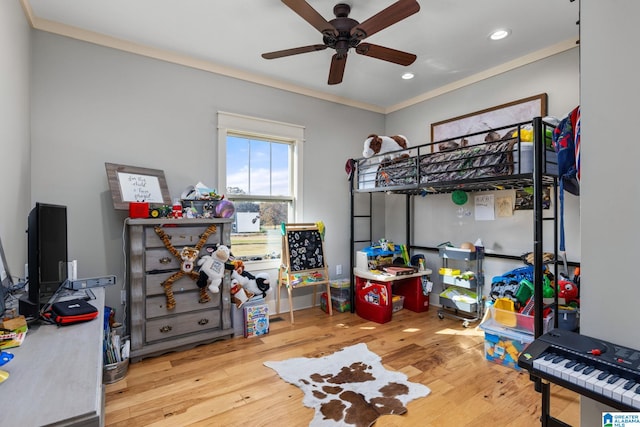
[(15, 64), (94, 105), (609, 188)]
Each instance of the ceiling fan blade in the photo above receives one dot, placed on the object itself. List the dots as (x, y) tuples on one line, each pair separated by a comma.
[(312, 16), (386, 54), (294, 51), (336, 71), (385, 18)]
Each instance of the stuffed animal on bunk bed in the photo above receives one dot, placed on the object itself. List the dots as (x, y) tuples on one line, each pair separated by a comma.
[(377, 145)]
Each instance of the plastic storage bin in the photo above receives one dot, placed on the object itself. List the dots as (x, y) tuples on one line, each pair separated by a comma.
[(526, 159), (340, 295), (338, 304), (520, 322), (397, 303), (568, 318), (459, 299), (502, 345)]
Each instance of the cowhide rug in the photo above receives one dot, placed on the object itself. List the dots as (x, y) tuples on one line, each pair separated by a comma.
[(349, 387)]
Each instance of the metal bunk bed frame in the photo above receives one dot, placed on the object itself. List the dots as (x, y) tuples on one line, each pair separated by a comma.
[(538, 179)]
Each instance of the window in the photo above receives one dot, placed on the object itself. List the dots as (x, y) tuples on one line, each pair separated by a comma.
[(259, 171)]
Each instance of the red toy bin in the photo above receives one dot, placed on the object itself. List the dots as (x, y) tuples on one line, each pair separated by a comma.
[(373, 302), (411, 289)]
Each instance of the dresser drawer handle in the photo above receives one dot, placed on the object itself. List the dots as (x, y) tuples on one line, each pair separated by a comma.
[(203, 322), (166, 329), (165, 260)]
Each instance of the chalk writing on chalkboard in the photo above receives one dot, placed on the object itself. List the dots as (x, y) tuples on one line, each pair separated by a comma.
[(305, 250), (139, 188)]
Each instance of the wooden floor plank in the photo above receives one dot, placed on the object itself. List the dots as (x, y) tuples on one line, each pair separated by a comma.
[(225, 383)]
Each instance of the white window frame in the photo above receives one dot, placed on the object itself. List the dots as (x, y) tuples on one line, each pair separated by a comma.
[(231, 123)]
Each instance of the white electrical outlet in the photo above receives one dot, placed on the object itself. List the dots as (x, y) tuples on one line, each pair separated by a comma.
[(339, 269)]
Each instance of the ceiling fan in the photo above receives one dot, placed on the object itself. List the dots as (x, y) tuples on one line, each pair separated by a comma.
[(344, 33)]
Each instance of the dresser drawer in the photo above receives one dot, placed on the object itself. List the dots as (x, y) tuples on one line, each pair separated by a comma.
[(180, 236), (173, 326), (153, 284), (160, 259), (156, 306)]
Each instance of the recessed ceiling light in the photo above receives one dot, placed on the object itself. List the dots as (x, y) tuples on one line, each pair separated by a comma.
[(499, 34), (408, 76)]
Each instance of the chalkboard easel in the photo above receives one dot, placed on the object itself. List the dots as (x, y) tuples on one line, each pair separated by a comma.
[(303, 262)]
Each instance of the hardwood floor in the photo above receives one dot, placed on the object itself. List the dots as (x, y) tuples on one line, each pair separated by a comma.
[(226, 384)]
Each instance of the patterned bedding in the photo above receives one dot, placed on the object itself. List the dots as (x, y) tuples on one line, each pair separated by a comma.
[(477, 161)]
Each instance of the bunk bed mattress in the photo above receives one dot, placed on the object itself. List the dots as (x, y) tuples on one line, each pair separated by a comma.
[(478, 161)]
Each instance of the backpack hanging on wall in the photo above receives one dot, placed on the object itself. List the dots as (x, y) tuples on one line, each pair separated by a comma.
[(566, 141)]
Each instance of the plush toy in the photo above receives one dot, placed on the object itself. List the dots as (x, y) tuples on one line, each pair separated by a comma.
[(375, 144), (452, 145), (212, 268), (187, 257), (258, 284), (239, 295), (569, 292)]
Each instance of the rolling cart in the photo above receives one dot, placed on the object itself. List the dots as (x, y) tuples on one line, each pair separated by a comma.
[(463, 280)]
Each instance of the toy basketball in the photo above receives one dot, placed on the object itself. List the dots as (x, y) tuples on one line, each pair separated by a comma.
[(225, 209), (459, 197)]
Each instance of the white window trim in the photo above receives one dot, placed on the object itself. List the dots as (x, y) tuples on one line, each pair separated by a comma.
[(231, 122)]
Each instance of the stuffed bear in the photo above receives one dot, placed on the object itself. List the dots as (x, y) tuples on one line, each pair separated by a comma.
[(212, 268), (376, 145)]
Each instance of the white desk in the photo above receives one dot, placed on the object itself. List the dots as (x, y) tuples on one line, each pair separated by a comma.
[(368, 274), (55, 377)]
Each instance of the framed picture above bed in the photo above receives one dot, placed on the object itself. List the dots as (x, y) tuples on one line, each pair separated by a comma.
[(488, 119)]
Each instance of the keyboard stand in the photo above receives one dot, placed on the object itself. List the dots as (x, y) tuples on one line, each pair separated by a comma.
[(546, 419)]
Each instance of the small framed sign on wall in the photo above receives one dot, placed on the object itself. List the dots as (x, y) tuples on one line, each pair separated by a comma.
[(136, 184)]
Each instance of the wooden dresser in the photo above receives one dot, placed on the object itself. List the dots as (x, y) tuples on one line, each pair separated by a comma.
[(153, 328)]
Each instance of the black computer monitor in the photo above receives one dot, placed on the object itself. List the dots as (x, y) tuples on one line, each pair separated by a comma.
[(47, 255)]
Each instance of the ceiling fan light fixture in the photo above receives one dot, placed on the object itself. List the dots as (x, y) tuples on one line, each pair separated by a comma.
[(408, 76), (500, 34), (343, 33)]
